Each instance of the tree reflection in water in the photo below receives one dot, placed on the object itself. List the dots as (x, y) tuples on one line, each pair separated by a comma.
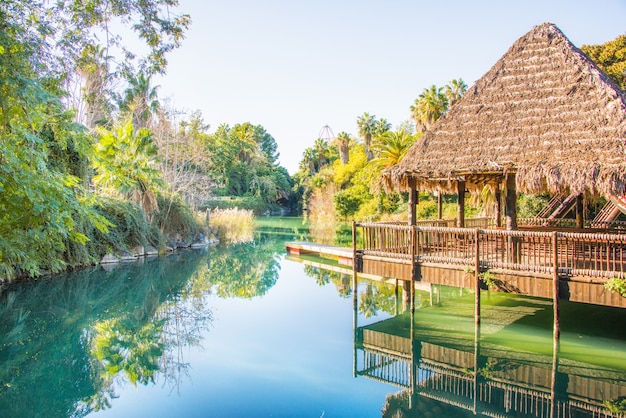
[(66, 342), (242, 270)]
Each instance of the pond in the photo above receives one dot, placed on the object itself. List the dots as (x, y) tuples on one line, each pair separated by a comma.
[(247, 331)]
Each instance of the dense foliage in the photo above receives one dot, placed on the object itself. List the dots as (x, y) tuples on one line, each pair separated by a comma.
[(340, 180), (611, 57)]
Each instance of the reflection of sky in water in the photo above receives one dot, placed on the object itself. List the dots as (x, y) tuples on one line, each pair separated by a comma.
[(288, 353)]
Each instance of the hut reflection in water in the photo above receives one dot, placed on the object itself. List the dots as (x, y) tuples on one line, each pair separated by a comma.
[(437, 354)]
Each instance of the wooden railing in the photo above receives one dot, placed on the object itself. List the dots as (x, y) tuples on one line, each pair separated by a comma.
[(575, 253)]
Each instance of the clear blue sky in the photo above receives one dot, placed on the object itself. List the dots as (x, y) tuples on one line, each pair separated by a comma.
[(295, 66)]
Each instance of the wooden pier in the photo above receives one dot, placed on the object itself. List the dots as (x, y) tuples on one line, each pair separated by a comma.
[(343, 254), (553, 264)]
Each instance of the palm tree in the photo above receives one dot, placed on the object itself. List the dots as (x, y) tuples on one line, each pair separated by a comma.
[(381, 126), (308, 160), (391, 148), (322, 152), (429, 106), (127, 162), (455, 90), (343, 140), (140, 100), (367, 126)]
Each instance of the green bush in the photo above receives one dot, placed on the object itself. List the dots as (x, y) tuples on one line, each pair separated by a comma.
[(130, 227), (346, 203), (528, 205), (616, 285), (175, 217)]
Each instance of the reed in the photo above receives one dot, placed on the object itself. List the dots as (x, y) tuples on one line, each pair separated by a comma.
[(233, 226)]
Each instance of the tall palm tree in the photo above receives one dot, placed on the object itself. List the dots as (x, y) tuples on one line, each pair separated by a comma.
[(322, 152), (381, 126), (126, 162), (93, 68), (367, 126), (429, 106), (140, 100), (455, 90), (343, 140)]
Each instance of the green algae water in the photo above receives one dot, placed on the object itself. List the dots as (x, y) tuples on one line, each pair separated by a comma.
[(247, 331)]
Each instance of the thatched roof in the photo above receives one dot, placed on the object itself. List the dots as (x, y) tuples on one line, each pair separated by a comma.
[(544, 110)]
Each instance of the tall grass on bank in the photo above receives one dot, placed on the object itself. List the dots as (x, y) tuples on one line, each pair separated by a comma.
[(233, 225)]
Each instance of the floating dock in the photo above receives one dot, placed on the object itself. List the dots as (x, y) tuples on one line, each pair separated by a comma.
[(343, 254)]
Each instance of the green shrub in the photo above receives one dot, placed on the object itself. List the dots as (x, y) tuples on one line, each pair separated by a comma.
[(130, 227), (346, 203), (175, 217), (616, 285), (529, 205)]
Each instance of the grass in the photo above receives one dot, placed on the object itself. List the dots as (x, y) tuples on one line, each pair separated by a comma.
[(233, 225)]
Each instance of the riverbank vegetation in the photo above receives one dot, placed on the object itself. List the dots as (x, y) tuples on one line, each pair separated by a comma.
[(92, 162)]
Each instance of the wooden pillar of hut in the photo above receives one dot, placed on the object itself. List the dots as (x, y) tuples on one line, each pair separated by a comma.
[(460, 219), (580, 217), (511, 202), (498, 199), (413, 201), (439, 206), (511, 218)]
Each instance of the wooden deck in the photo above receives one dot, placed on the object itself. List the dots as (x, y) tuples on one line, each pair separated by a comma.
[(524, 262), (532, 263)]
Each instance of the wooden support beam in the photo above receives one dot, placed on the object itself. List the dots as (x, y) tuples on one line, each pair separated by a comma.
[(580, 216), (498, 198), (477, 276), (460, 219), (413, 201), (511, 203), (556, 286), (439, 206)]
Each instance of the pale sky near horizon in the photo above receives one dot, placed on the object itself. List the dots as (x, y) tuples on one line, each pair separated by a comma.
[(295, 66)]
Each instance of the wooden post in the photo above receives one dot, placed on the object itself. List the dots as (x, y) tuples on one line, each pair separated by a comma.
[(439, 206), (413, 266), (580, 216), (413, 201), (511, 202), (511, 217), (354, 264), (555, 283), (355, 301), (460, 219), (477, 276), (498, 198)]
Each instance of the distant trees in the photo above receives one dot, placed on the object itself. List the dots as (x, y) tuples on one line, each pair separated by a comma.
[(434, 101), (243, 162), (611, 57)]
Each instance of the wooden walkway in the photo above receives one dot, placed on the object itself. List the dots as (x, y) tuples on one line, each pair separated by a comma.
[(343, 254)]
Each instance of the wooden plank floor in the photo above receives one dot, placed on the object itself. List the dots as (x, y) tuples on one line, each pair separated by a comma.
[(343, 254)]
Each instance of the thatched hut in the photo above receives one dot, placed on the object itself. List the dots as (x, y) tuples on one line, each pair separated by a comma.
[(544, 118)]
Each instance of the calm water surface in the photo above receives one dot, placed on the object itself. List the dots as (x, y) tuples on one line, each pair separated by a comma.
[(247, 331)]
